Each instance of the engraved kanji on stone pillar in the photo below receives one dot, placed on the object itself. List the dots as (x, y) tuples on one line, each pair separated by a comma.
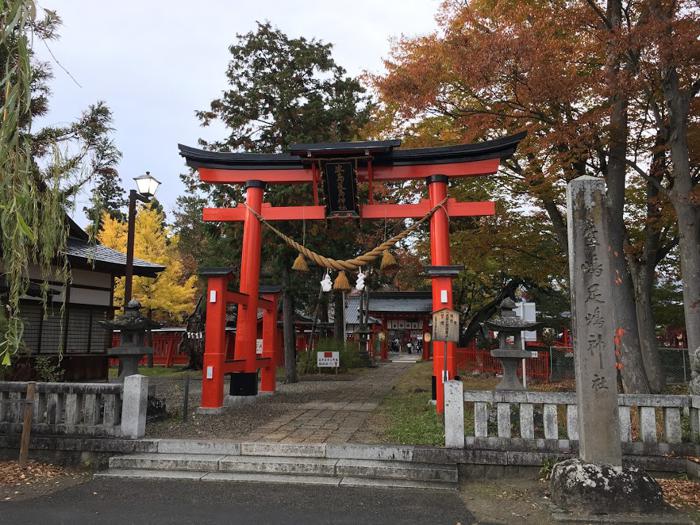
[(591, 308)]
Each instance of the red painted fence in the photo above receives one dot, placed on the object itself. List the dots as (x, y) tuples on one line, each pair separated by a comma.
[(166, 342), (165, 345), (471, 359)]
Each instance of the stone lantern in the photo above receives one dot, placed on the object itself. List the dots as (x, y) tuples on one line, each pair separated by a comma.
[(508, 324), (132, 326)]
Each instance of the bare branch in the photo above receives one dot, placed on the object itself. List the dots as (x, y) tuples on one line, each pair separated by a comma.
[(655, 182), (600, 13)]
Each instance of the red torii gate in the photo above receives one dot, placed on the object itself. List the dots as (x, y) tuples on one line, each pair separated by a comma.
[(370, 162)]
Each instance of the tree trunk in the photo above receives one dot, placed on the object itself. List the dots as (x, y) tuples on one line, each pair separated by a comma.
[(323, 314), (688, 214), (486, 312), (643, 279), (689, 243), (339, 317), (643, 270), (558, 223), (624, 311), (290, 352)]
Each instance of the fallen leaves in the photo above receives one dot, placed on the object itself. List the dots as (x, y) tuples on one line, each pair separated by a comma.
[(565, 385), (11, 474), (681, 493)]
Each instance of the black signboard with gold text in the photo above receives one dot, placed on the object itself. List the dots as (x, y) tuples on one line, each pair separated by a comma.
[(341, 188)]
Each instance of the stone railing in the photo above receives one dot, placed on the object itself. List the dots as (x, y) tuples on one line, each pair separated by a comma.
[(93, 409), (648, 423)]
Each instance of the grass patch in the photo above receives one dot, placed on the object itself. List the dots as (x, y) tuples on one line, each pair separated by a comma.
[(348, 353), (489, 382), (156, 371), (410, 419)]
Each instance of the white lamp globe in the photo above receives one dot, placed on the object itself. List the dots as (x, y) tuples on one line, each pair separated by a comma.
[(147, 185)]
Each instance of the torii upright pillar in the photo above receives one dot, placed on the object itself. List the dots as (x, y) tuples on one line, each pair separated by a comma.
[(246, 382), (441, 284)]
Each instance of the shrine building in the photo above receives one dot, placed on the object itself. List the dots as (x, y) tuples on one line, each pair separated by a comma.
[(398, 316)]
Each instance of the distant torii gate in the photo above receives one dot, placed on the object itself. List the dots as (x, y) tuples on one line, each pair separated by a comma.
[(338, 166)]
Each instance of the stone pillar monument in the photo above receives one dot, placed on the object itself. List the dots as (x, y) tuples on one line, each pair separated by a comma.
[(596, 482), (591, 308)]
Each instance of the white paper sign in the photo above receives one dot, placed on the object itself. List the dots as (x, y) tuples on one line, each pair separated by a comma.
[(259, 346), (328, 359)]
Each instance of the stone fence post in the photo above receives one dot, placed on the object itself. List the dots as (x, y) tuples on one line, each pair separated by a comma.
[(454, 414), (134, 405), (695, 418)]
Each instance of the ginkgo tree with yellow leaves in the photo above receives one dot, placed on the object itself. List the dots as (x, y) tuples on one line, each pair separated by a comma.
[(170, 296)]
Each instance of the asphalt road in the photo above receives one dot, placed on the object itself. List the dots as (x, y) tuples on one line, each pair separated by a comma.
[(109, 501)]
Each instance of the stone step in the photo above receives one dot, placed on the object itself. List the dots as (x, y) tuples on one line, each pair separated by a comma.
[(278, 465), (397, 484), (264, 477), (133, 473), (294, 466), (194, 462), (306, 450), (258, 477), (317, 450), (198, 446), (362, 468)]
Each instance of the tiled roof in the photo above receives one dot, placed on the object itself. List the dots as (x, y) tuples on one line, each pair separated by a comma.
[(84, 254), (384, 154), (390, 302), (352, 312)]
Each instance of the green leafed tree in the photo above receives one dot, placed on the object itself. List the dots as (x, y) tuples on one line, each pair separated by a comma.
[(284, 90), (280, 91), (108, 196)]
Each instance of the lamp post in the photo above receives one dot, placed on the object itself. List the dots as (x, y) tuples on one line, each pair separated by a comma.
[(146, 186)]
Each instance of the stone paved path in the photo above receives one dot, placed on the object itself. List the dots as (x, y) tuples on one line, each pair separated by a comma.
[(338, 413)]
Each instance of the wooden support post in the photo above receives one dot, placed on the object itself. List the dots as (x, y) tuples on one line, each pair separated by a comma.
[(27, 424), (247, 322), (268, 375), (186, 398), (385, 342), (214, 345)]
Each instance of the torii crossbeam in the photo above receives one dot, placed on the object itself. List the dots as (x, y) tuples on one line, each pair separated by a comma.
[(337, 168)]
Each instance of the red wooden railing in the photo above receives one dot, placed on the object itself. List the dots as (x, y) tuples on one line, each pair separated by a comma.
[(165, 346), (469, 359), (472, 359)]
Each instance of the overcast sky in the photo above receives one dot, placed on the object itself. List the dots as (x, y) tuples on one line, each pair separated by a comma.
[(155, 62)]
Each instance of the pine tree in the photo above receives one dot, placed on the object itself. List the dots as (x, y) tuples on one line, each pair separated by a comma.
[(281, 91), (108, 196)]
